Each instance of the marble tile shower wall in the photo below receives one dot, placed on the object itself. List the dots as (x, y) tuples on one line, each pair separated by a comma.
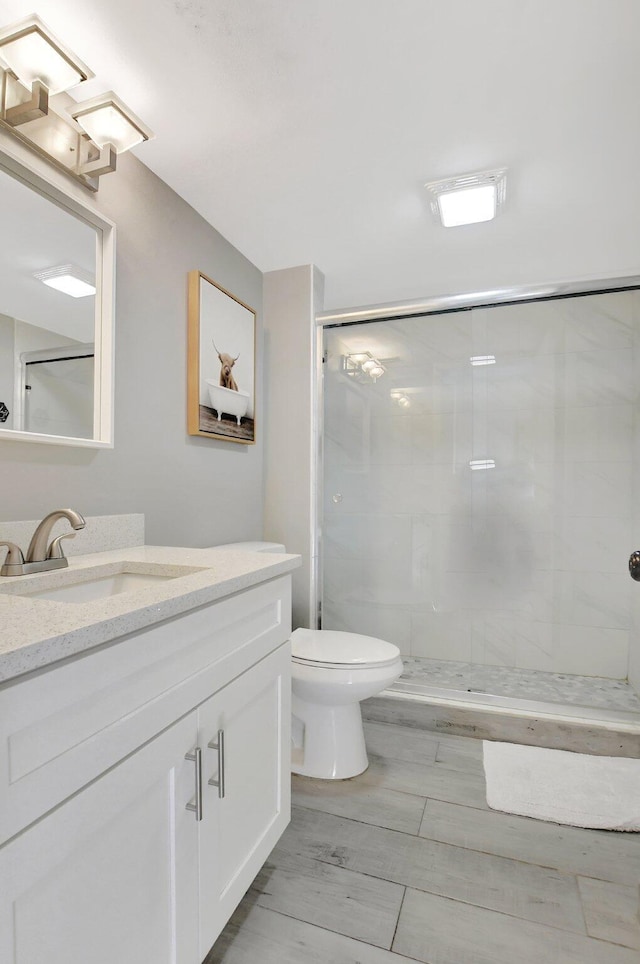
[(523, 564)]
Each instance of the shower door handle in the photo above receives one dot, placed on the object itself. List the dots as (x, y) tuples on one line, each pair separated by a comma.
[(634, 565)]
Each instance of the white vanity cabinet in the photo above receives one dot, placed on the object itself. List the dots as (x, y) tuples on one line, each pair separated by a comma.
[(112, 874), (244, 814), (129, 867)]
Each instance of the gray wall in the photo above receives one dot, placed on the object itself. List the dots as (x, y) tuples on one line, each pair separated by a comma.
[(193, 491), (291, 298)]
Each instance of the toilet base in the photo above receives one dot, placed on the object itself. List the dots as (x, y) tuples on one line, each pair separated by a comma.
[(328, 741)]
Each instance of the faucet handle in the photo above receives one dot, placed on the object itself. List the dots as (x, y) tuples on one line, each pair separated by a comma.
[(14, 556), (55, 550)]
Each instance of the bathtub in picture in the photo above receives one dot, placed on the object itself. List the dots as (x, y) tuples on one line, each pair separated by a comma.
[(227, 401)]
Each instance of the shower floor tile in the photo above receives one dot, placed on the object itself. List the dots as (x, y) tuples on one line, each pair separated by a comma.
[(521, 683)]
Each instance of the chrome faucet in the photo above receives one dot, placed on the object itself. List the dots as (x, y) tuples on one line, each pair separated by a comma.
[(41, 554)]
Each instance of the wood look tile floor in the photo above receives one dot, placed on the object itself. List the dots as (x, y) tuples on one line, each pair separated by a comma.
[(407, 863)]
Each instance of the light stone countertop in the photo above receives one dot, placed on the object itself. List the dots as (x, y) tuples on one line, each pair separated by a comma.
[(35, 633)]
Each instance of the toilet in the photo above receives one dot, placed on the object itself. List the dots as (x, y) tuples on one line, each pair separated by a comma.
[(331, 672)]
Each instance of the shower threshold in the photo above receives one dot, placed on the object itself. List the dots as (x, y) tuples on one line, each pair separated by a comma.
[(421, 698), (438, 695)]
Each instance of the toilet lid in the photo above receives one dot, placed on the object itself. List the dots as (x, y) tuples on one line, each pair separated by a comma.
[(338, 648)]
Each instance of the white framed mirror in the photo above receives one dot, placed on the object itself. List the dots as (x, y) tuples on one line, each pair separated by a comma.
[(56, 313)]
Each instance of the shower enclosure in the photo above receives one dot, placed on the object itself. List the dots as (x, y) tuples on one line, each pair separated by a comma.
[(479, 496), (57, 389)]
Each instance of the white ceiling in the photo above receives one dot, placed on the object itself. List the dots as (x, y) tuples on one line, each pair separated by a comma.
[(303, 130)]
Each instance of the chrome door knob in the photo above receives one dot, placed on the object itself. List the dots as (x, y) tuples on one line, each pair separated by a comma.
[(634, 565)]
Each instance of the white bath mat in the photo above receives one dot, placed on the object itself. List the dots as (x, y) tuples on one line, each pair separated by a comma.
[(573, 788)]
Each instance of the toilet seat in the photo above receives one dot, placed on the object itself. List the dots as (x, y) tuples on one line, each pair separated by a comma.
[(329, 648)]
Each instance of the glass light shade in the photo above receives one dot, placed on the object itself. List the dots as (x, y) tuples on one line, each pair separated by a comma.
[(369, 364), (33, 53), (108, 126), (107, 120), (376, 371), (468, 206)]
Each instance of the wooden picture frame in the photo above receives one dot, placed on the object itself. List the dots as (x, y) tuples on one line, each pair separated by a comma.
[(221, 360)]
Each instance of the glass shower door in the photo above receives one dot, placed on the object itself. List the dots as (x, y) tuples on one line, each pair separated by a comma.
[(478, 503), (396, 481), (58, 395)]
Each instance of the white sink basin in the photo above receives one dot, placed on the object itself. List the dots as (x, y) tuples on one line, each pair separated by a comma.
[(101, 587)]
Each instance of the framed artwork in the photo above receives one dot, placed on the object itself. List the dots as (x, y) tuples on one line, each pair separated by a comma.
[(221, 356)]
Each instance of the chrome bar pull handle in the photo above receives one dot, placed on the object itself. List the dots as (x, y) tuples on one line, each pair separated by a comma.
[(219, 746), (196, 757)]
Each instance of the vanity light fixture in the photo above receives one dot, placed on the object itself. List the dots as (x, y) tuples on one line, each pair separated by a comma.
[(107, 120), (68, 278), (39, 62), (360, 363), (82, 139), (468, 199), (403, 400), (359, 356), (373, 368)]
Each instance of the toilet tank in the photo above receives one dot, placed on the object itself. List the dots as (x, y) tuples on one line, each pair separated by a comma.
[(253, 546)]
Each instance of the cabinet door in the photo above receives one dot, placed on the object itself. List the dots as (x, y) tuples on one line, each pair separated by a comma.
[(240, 828), (111, 875)]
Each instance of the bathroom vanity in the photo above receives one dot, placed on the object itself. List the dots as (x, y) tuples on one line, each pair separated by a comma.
[(144, 752)]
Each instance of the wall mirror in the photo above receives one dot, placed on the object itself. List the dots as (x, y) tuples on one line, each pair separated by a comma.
[(56, 313)]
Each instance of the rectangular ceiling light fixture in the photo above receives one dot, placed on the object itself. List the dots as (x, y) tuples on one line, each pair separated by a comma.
[(469, 199), (483, 359), (477, 464), (68, 278)]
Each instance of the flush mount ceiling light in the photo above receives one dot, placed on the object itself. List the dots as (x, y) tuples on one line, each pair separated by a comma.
[(483, 360), (82, 139), (68, 278), (468, 199)]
